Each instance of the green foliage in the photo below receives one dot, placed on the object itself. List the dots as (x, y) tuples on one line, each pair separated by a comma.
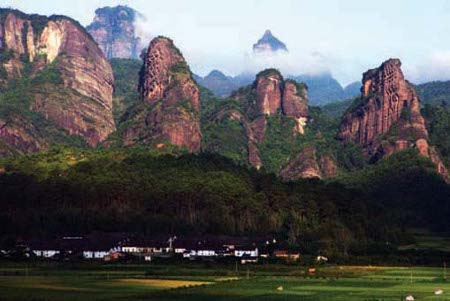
[(181, 68), (337, 109), (434, 93), (49, 75), (227, 138), (438, 124), (6, 55), (126, 78), (279, 144)]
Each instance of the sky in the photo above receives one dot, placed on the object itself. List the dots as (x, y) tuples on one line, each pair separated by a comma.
[(344, 38)]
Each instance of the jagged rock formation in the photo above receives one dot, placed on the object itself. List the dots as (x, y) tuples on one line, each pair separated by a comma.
[(62, 56), (387, 117), (274, 95), (172, 103), (270, 94), (113, 29), (268, 44), (294, 104)]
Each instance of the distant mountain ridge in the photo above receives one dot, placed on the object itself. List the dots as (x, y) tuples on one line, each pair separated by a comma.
[(268, 43), (434, 93), (322, 89)]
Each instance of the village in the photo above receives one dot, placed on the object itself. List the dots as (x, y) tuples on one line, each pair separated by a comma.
[(111, 247)]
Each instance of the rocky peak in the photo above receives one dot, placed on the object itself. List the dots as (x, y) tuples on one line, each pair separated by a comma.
[(172, 96), (269, 88), (387, 117), (274, 95), (33, 43), (216, 75), (271, 94), (268, 43), (167, 76), (113, 28), (295, 104)]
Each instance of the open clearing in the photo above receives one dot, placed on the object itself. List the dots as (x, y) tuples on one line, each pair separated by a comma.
[(340, 283)]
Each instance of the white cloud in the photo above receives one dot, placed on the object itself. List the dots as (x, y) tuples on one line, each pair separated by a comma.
[(142, 29), (434, 67), (287, 63)]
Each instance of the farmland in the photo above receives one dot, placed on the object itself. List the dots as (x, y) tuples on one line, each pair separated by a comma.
[(87, 282)]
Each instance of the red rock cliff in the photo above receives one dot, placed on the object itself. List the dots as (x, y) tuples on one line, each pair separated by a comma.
[(387, 118), (270, 94), (82, 103), (167, 86)]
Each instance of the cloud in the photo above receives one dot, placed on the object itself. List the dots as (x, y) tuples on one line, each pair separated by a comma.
[(313, 63), (432, 68), (142, 30)]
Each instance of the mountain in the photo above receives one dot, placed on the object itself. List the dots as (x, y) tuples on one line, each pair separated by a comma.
[(435, 93), (182, 160), (169, 113), (323, 89), (113, 28), (337, 109), (56, 84), (352, 90), (386, 118), (268, 125), (219, 83), (270, 95), (269, 44)]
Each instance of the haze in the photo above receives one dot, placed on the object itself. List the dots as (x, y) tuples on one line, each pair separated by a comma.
[(344, 38)]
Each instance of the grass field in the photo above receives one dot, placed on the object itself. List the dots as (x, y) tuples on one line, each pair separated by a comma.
[(206, 282)]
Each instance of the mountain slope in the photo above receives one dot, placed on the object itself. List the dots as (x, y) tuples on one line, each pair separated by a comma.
[(56, 83), (434, 93), (169, 113)]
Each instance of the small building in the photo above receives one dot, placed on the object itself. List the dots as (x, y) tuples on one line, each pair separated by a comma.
[(205, 249), (44, 248), (246, 251), (286, 255), (139, 246), (96, 254)]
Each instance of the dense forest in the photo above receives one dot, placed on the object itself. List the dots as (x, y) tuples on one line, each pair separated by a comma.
[(69, 190)]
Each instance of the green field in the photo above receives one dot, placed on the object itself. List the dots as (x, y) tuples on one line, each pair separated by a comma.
[(218, 282)]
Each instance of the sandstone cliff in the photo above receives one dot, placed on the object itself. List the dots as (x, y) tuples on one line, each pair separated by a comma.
[(170, 100), (71, 81), (113, 29), (387, 117), (269, 95)]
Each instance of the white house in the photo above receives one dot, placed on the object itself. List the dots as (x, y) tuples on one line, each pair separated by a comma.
[(250, 252), (95, 254), (45, 253)]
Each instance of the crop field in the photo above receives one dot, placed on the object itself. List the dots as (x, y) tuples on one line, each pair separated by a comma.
[(206, 282)]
